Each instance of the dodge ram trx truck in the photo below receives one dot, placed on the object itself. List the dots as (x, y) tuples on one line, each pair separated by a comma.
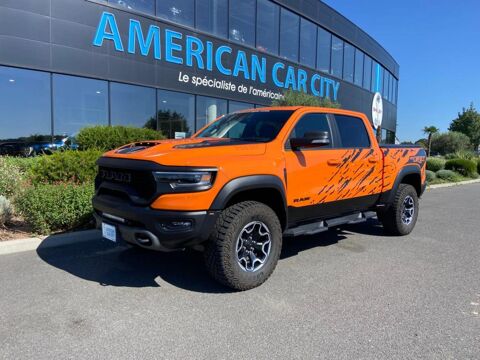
[(239, 185)]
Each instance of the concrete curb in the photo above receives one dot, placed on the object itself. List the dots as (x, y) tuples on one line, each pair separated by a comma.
[(21, 245), (437, 186)]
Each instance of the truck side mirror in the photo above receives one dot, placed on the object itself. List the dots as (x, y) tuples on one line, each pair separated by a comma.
[(310, 140)]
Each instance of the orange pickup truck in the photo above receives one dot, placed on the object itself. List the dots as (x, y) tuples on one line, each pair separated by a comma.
[(243, 182)]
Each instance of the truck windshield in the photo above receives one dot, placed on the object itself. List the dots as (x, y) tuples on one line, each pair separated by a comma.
[(258, 126)]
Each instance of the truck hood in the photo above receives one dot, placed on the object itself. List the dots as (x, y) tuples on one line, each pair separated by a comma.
[(187, 152)]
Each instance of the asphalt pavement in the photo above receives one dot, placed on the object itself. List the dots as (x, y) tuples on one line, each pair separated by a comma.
[(350, 293)]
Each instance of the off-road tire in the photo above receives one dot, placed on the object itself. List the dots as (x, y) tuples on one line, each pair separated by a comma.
[(391, 219), (220, 251)]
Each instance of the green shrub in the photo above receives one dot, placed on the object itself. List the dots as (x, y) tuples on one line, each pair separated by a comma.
[(49, 208), (430, 175), (464, 167), (299, 98), (478, 166), (435, 164), (6, 210), (67, 166), (22, 163), (11, 178), (448, 175), (450, 142), (111, 137), (462, 154)]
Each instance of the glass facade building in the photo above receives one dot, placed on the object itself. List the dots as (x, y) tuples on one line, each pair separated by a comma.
[(171, 65)]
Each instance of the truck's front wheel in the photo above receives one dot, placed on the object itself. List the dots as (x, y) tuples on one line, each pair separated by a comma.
[(401, 216), (245, 246)]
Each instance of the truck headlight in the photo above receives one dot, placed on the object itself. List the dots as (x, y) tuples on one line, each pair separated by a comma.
[(186, 181)]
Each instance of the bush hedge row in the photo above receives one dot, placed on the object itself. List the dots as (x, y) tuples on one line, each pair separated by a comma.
[(48, 208), (430, 175), (72, 166), (111, 137), (448, 175), (464, 167), (435, 164)]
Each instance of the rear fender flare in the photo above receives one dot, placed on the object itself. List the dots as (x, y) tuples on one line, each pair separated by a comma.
[(388, 197)]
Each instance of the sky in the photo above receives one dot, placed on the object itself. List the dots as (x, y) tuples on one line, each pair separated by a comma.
[(437, 45)]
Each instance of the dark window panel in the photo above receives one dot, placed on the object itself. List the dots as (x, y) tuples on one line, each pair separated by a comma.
[(132, 105), (268, 21), (309, 124), (324, 48), (234, 106), (208, 109), (242, 21), (348, 62), (212, 16), (178, 11), (176, 114), (146, 6), (289, 33), (78, 102), (337, 57), (308, 41), (352, 132), (359, 58), (367, 73), (385, 84), (25, 108)]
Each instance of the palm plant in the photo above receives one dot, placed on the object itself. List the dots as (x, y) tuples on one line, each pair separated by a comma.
[(429, 131)]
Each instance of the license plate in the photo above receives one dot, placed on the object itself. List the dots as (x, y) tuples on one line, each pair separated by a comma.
[(109, 232)]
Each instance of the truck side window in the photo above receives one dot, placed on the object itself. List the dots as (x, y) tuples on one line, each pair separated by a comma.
[(310, 124), (352, 132)]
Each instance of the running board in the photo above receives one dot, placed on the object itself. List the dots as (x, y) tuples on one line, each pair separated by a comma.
[(320, 226)]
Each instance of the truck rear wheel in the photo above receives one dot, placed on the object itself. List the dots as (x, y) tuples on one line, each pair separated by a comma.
[(244, 248), (401, 216)]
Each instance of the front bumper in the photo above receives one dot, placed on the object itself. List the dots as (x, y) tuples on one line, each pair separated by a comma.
[(155, 229)]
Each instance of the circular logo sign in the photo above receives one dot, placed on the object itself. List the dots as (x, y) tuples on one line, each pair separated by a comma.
[(377, 110)]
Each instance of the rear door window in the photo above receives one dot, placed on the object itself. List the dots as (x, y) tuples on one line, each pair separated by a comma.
[(352, 132)]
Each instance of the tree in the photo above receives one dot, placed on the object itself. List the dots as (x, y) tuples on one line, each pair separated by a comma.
[(468, 123), (298, 98), (429, 131), (450, 142)]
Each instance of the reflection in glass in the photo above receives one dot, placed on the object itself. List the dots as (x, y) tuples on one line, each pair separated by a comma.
[(212, 16), (176, 114), (234, 106), (348, 62), (337, 57), (289, 30), (308, 40), (242, 21), (25, 114), (178, 11), (358, 79), (131, 105), (208, 109), (146, 6), (78, 102), (324, 45), (367, 73), (268, 21)]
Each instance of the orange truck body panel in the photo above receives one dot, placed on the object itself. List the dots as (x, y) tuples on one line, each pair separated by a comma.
[(314, 177)]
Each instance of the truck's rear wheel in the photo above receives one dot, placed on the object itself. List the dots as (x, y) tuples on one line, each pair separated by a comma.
[(244, 248), (401, 216)]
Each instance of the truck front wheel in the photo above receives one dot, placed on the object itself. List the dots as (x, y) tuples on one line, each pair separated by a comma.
[(245, 245), (401, 216)]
